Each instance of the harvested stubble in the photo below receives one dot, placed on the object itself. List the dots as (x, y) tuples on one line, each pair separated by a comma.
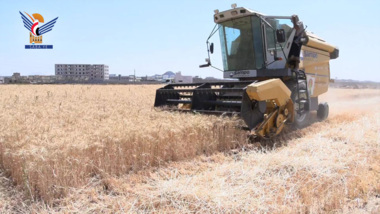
[(56, 137)]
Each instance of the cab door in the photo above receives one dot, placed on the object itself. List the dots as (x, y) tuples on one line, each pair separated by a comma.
[(277, 53)]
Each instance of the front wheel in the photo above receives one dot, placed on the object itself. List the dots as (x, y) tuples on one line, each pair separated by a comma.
[(301, 119)]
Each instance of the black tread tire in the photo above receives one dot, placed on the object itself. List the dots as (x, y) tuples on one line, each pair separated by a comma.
[(304, 120), (323, 111)]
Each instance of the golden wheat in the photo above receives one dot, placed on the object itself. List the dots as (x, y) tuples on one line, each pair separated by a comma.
[(106, 149), (56, 137)]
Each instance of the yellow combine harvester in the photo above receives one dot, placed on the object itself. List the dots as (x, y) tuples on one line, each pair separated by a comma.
[(276, 71)]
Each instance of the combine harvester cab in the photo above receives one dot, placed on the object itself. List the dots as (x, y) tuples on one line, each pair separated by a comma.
[(276, 71)]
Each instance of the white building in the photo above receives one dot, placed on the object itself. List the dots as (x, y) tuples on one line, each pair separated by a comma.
[(182, 79), (92, 72)]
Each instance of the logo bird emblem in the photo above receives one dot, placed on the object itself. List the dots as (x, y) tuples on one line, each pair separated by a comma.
[(33, 26)]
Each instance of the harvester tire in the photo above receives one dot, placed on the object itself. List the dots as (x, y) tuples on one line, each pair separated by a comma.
[(300, 120), (323, 111)]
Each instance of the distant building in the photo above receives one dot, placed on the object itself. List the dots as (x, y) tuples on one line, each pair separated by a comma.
[(118, 77), (158, 77), (182, 79), (16, 78), (144, 79), (82, 71), (1, 80)]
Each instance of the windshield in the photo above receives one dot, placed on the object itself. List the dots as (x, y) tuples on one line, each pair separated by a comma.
[(241, 42)]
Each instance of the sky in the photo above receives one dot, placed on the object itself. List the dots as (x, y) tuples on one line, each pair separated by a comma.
[(152, 37)]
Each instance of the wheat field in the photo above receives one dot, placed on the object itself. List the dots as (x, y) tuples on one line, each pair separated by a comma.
[(99, 148)]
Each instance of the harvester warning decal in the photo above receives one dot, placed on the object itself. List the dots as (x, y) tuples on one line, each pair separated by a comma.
[(310, 84)]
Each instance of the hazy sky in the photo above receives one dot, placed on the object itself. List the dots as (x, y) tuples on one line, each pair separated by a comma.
[(157, 36)]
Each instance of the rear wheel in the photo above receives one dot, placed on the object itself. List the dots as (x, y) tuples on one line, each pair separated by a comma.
[(323, 111)]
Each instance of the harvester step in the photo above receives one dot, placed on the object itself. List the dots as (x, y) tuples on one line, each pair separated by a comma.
[(302, 100)]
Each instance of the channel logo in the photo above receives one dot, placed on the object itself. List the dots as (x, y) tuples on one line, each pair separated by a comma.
[(36, 31)]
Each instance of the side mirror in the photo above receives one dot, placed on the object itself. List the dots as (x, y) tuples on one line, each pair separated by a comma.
[(280, 34), (212, 48)]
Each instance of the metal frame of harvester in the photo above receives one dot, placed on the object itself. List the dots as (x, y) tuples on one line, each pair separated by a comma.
[(276, 69)]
